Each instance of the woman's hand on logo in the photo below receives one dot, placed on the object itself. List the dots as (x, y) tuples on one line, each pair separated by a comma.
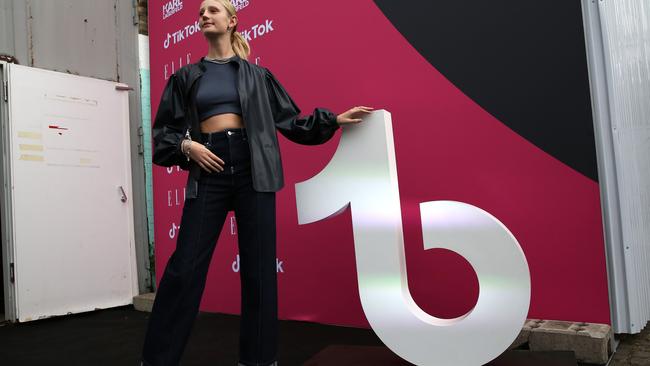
[(353, 115)]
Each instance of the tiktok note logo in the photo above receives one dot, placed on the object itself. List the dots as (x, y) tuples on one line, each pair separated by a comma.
[(173, 230), (363, 172)]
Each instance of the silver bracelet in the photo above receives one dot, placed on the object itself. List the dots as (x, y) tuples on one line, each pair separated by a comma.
[(187, 137), (186, 151)]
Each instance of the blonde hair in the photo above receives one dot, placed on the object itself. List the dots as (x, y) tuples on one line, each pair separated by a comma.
[(239, 44)]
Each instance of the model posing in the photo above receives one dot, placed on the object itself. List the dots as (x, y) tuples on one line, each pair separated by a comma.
[(218, 119)]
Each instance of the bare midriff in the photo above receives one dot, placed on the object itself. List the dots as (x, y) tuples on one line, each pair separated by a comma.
[(221, 122)]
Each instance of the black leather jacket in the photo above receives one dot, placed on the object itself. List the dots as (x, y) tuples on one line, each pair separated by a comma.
[(266, 107)]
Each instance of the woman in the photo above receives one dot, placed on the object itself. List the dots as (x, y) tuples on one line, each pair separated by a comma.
[(218, 119)]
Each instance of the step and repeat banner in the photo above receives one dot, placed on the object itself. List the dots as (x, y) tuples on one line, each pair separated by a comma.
[(490, 106)]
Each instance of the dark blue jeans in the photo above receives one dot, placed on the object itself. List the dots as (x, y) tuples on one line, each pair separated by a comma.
[(181, 287)]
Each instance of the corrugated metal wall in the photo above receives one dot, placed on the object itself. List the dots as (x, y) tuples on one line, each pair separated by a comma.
[(618, 39), (91, 38)]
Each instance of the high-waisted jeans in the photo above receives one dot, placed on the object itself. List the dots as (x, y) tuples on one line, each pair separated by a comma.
[(181, 287)]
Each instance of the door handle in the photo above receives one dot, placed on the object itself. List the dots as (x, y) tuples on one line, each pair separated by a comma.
[(122, 194)]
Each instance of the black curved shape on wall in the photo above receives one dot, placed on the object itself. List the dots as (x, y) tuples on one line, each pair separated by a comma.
[(522, 61)]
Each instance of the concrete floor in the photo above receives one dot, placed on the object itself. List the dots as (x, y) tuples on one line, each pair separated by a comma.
[(634, 350)]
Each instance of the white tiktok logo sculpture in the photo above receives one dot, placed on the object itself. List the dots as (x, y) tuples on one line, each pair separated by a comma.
[(363, 174)]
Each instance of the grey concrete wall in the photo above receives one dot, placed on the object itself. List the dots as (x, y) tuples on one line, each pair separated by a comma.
[(143, 16), (95, 38)]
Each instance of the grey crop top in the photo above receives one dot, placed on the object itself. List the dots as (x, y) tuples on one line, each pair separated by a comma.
[(217, 91)]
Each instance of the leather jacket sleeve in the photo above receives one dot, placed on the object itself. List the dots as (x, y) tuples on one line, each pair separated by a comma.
[(313, 129), (169, 127)]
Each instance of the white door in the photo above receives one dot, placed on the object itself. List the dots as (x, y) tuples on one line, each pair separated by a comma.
[(67, 210)]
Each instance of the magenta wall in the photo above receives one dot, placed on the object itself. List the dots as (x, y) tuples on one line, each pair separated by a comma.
[(337, 54)]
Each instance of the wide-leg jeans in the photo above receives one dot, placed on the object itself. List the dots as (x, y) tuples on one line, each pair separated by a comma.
[(179, 293)]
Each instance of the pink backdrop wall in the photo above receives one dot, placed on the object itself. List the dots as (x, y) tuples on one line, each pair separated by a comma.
[(447, 148)]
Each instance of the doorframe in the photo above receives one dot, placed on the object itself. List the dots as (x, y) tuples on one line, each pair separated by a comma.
[(8, 257)]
